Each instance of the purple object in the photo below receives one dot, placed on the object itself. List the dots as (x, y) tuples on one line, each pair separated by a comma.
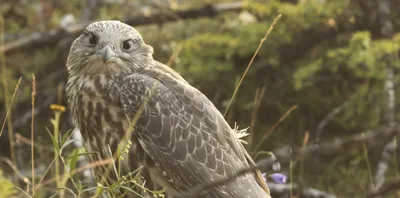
[(279, 178)]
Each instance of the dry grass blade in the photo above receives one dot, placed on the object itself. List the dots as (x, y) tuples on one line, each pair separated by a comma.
[(256, 105), (9, 106), (306, 138), (32, 132), (16, 170), (24, 140), (45, 173), (174, 55), (281, 119), (7, 102), (78, 170), (251, 61)]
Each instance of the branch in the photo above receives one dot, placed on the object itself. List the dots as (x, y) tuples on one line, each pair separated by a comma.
[(329, 148), (389, 116), (53, 36), (328, 118), (392, 185), (386, 31), (383, 164), (202, 187), (304, 192), (383, 133), (391, 100)]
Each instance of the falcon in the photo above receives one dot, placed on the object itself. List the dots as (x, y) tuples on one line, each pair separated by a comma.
[(178, 136)]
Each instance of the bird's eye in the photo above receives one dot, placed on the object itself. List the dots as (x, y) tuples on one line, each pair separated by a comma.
[(93, 39), (127, 45)]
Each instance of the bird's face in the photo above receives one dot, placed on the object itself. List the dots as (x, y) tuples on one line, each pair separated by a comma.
[(108, 47)]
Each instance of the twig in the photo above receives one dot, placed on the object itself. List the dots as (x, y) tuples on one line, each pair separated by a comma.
[(278, 189), (301, 153), (27, 141), (55, 35), (328, 118), (251, 61), (389, 119), (386, 31), (78, 170), (383, 133), (202, 187), (281, 119), (389, 186), (16, 170), (383, 164), (390, 113)]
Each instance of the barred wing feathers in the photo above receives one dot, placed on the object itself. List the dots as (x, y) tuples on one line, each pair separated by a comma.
[(184, 134)]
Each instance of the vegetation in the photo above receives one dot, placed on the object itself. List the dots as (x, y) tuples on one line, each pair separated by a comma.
[(328, 68)]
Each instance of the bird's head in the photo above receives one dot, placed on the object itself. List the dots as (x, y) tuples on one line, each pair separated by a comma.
[(108, 47)]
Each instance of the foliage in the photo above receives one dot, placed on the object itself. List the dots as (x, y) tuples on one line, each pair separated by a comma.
[(7, 189)]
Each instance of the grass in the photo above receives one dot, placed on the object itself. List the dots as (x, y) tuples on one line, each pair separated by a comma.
[(368, 166), (32, 132), (7, 102), (251, 62), (65, 169)]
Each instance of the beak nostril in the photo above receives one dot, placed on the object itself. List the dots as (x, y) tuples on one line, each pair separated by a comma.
[(103, 45), (107, 52)]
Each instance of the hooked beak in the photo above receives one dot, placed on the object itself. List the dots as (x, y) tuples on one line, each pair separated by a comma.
[(107, 54)]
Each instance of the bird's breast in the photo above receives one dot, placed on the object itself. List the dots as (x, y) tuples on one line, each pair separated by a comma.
[(98, 114)]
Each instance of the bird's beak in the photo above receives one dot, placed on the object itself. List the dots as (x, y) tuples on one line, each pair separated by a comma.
[(107, 54)]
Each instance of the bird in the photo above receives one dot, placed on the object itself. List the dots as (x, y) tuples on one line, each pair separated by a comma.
[(178, 136)]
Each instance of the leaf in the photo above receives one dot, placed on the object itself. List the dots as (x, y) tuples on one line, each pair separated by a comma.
[(99, 190), (80, 154), (66, 135), (55, 143), (80, 186), (68, 142), (72, 164)]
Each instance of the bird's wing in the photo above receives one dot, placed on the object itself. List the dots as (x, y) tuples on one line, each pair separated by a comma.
[(184, 134), (170, 71)]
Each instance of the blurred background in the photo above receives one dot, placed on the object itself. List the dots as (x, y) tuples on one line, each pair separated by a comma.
[(321, 94)]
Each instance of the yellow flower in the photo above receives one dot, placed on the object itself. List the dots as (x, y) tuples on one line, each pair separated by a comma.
[(56, 107)]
